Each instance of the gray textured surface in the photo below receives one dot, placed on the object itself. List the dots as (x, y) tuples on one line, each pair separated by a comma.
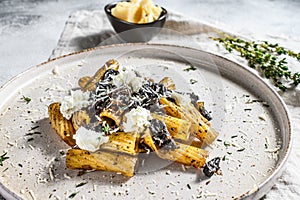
[(30, 29)]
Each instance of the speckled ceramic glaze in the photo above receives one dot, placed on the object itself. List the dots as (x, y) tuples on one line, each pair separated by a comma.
[(254, 128)]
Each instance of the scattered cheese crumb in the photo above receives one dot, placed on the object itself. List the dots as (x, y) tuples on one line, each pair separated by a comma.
[(50, 162), (67, 176), (172, 183), (31, 147), (94, 187), (272, 150), (208, 194), (51, 173), (253, 177), (57, 197)]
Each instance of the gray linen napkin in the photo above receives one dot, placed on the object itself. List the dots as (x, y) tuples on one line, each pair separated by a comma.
[(87, 29)]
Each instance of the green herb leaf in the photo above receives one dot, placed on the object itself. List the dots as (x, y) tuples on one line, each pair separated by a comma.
[(26, 99), (71, 196), (224, 158), (191, 68), (105, 127), (266, 58), (226, 144), (3, 157), (81, 184)]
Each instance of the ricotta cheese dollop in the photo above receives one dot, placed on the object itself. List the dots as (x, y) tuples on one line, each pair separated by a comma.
[(89, 140), (74, 102), (137, 119), (128, 76)]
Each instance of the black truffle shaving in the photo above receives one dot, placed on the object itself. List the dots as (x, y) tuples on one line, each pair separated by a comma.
[(147, 96), (100, 96), (144, 147), (194, 99), (134, 103), (103, 85), (101, 104), (147, 91), (205, 113), (109, 73), (171, 99), (161, 135), (212, 167), (102, 88), (159, 88)]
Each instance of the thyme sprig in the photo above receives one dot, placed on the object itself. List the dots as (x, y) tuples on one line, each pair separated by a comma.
[(2, 158), (190, 68), (105, 127), (26, 99), (71, 196), (270, 59)]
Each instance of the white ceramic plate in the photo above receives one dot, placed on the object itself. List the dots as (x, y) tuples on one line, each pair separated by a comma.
[(254, 140)]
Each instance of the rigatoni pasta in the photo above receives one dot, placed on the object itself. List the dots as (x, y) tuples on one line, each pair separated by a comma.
[(124, 115)]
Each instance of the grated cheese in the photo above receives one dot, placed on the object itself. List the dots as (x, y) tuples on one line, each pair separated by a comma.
[(67, 176), (128, 76), (51, 173)]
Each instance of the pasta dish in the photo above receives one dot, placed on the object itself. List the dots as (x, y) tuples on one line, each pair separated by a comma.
[(117, 114)]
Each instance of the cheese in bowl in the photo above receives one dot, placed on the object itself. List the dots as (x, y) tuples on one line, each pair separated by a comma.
[(137, 11)]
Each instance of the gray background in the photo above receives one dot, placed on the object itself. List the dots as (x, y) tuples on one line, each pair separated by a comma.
[(30, 29)]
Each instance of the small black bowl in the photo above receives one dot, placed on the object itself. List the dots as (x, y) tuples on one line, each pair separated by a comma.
[(133, 32)]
